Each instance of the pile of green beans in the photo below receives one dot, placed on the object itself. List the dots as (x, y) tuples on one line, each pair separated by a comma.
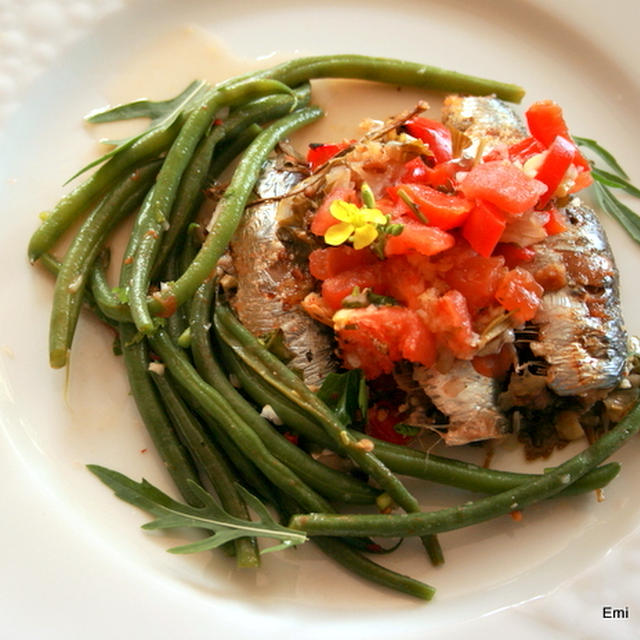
[(181, 348)]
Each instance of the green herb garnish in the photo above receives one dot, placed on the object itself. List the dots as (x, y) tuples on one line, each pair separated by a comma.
[(604, 181), (172, 514)]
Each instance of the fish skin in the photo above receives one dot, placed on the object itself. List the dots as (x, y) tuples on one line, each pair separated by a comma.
[(270, 288), (581, 330), (483, 119), (468, 398)]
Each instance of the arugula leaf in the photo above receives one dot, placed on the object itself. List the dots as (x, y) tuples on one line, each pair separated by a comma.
[(162, 114), (172, 514), (602, 153), (346, 393), (623, 214)]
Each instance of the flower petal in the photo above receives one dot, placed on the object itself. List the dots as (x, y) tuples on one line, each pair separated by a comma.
[(344, 211), (374, 216), (363, 236), (338, 233)]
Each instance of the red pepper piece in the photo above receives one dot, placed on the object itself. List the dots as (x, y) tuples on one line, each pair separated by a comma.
[(433, 133), (318, 154), (558, 159)]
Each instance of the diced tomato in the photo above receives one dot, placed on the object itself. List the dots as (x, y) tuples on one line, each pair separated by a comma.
[(524, 149), (477, 278), (519, 292), (403, 281), (336, 288), (503, 185), (433, 133), (416, 341), (382, 417), (439, 209), (546, 121), (495, 365), (417, 237), (557, 222), (483, 228), (513, 254), (329, 262), (554, 166), (455, 322), (322, 218), (318, 154), (373, 338)]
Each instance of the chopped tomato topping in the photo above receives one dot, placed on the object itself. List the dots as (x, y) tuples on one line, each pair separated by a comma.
[(513, 254), (338, 287), (477, 278), (519, 292), (329, 262), (454, 320), (503, 185), (438, 209), (483, 228), (557, 222), (417, 237), (373, 338), (433, 133), (403, 281)]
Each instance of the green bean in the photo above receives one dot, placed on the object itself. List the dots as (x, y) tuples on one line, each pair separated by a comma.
[(212, 463), (518, 498), (85, 247), (174, 455), (231, 149), (246, 346), (330, 483), (229, 211), (168, 181), (388, 70), (471, 477), (371, 571), (107, 301), (52, 265), (197, 174), (359, 564), (72, 205), (208, 400)]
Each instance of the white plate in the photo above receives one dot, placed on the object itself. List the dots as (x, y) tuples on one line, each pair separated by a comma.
[(73, 560)]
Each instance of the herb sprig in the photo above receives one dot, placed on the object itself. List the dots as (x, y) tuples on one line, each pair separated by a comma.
[(210, 516), (604, 181)]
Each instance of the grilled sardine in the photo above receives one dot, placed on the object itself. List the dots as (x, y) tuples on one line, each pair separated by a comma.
[(270, 285), (581, 331)]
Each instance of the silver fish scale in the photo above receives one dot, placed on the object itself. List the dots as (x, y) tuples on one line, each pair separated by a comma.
[(584, 351), (485, 119), (270, 288), (467, 398)]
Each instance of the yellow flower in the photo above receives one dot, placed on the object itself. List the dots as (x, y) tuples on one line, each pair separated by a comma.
[(356, 224)]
